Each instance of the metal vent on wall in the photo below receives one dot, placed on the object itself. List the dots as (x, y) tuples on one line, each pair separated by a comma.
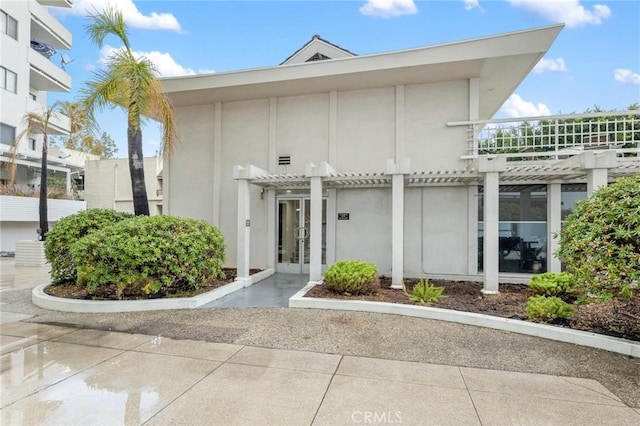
[(284, 160)]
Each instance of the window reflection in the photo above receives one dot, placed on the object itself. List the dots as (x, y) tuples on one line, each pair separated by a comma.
[(522, 228)]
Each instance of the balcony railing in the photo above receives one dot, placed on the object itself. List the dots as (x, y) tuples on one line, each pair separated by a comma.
[(553, 137)]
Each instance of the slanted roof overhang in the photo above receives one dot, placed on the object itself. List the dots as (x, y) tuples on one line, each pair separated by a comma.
[(501, 62)]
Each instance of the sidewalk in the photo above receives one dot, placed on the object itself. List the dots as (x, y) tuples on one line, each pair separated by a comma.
[(53, 374)]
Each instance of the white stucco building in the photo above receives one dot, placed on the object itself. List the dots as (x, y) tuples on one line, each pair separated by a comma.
[(31, 65), (108, 184), (385, 158)]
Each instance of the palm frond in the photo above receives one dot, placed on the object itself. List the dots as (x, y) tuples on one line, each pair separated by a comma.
[(110, 21)]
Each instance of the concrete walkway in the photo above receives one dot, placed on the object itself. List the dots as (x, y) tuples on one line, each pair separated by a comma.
[(273, 292), (244, 366)]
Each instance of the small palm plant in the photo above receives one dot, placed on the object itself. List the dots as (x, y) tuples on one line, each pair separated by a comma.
[(36, 122), (424, 292)]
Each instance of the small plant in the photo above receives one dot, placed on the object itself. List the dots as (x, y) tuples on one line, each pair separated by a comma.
[(552, 283), (424, 292), (352, 277), (548, 308)]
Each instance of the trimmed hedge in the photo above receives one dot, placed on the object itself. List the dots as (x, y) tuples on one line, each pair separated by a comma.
[(150, 255), (600, 242), (67, 232)]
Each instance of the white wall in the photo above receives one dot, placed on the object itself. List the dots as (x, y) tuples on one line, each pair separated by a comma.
[(107, 185), (367, 234), (365, 138)]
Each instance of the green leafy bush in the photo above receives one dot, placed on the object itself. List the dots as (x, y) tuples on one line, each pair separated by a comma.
[(600, 241), (150, 255), (424, 292), (552, 283), (352, 277), (548, 308), (68, 231)]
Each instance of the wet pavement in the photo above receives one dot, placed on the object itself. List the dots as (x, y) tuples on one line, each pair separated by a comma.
[(77, 371)]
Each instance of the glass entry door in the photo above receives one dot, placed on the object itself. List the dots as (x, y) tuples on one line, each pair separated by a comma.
[(293, 237)]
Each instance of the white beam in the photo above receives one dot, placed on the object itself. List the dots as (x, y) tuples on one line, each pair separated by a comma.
[(315, 243), (491, 232), (244, 229), (397, 230), (554, 225)]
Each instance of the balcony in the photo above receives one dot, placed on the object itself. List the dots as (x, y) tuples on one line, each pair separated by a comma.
[(56, 3), (46, 29), (58, 123), (44, 75), (554, 137)]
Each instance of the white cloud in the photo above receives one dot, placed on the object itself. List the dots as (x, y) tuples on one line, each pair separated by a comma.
[(132, 16), (164, 62), (571, 12), (626, 76), (389, 8), (550, 65), (470, 4), (517, 107)]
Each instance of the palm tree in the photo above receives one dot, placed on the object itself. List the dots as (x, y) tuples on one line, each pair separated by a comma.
[(132, 84), (36, 123)]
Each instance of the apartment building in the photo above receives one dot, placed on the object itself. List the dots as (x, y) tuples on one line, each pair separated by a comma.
[(32, 63)]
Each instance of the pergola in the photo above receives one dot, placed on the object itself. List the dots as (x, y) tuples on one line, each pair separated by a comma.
[(488, 170)]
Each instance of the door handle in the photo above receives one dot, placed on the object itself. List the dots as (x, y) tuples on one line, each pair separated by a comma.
[(301, 233)]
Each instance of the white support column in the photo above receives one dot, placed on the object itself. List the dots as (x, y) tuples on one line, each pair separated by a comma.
[(217, 164), (315, 228), (597, 166), (315, 174), (554, 225), (271, 228), (68, 182), (491, 167), (397, 230), (244, 229), (491, 232), (397, 169), (595, 179)]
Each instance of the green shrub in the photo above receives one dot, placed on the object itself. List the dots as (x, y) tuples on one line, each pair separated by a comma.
[(600, 240), (150, 255), (67, 232), (352, 277), (552, 283), (548, 308), (424, 292)]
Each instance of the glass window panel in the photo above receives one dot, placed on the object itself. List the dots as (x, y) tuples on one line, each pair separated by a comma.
[(12, 81), (12, 27), (522, 228), (570, 195), (7, 134)]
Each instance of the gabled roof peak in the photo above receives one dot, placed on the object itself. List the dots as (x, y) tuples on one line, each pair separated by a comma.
[(317, 49)]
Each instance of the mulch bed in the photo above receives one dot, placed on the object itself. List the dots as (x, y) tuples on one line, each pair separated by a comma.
[(71, 290), (614, 318)]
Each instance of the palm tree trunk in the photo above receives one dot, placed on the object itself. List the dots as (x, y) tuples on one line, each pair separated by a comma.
[(42, 206), (136, 170)]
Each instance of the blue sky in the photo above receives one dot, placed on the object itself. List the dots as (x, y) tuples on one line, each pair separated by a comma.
[(594, 61)]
